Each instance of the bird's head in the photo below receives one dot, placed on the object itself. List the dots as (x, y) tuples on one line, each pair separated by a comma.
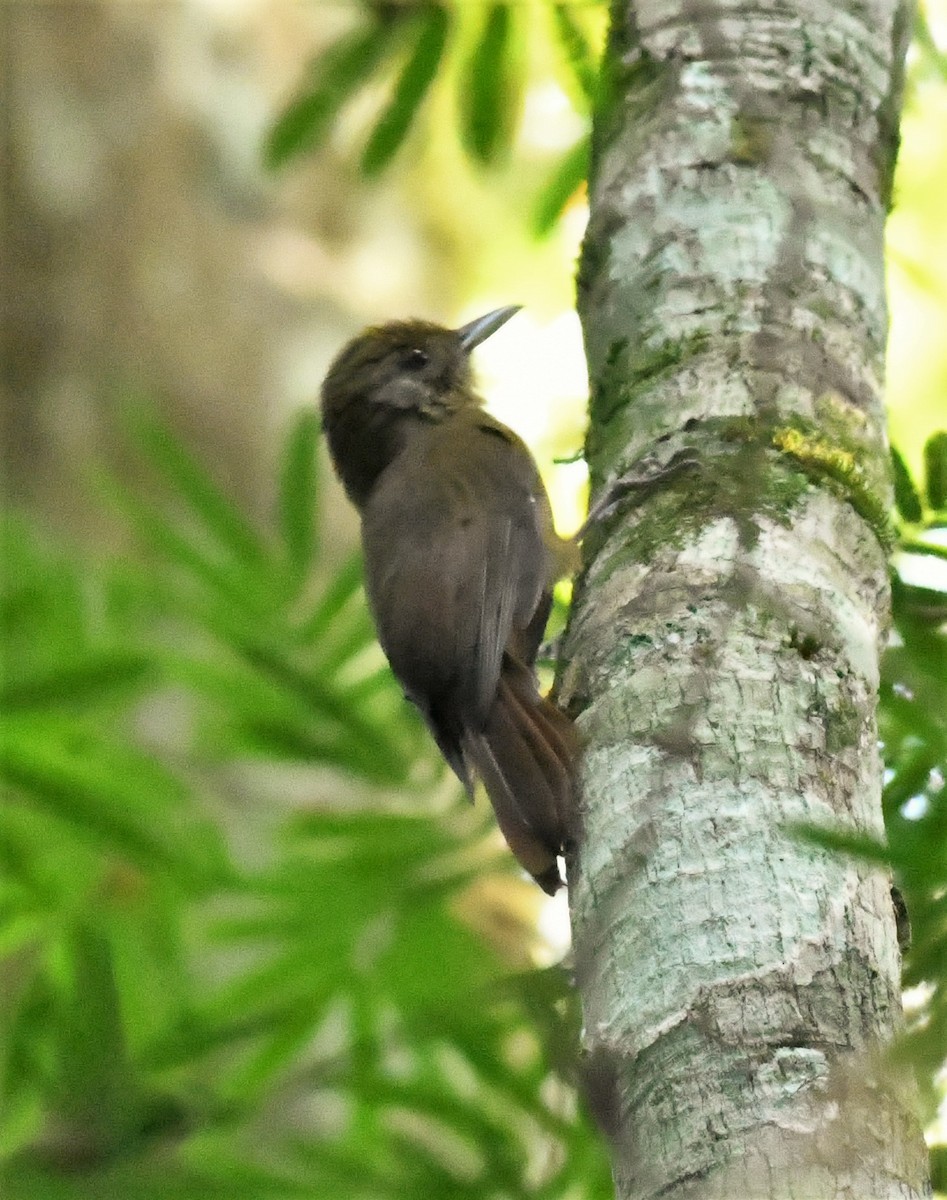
[(408, 365), (390, 377)]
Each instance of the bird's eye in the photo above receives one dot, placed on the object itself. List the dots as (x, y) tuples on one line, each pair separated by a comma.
[(415, 359)]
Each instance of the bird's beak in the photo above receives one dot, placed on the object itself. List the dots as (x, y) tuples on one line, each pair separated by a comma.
[(475, 332)]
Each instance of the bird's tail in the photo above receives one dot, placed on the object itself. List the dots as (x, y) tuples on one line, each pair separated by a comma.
[(525, 754)]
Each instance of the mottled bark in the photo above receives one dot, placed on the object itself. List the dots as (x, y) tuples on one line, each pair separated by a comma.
[(738, 984)]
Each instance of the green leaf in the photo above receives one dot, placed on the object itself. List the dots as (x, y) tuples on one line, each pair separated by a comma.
[(375, 842), (89, 682), (939, 1168), (346, 640), (930, 53), (935, 470), (345, 584), (568, 178), (911, 772), (44, 603), (488, 89), (919, 546), (159, 1176), (111, 796), (328, 704), (192, 483), (410, 90), (21, 1122), (906, 499), (279, 740), (337, 74), (580, 57), (95, 1085), (842, 841), (231, 582), (298, 484)]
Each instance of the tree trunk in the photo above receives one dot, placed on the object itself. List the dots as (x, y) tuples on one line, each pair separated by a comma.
[(738, 983)]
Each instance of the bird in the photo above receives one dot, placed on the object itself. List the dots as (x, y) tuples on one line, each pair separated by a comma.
[(460, 558)]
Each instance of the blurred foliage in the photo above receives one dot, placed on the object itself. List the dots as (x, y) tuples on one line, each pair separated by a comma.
[(204, 992), (486, 54)]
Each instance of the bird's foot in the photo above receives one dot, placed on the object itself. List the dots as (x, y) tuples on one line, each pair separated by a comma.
[(645, 476)]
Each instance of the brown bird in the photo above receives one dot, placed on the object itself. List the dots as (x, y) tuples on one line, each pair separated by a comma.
[(460, 559)]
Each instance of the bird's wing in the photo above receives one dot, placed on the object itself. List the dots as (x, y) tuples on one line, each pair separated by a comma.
[(457, 560)]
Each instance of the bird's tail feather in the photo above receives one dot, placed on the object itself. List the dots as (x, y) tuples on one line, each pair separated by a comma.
[(525, 754)]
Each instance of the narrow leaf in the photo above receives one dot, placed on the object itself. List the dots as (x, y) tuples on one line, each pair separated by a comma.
[(168, 541), (113, 798), (580, 57), (96, 1084), (931, 55), (906, 499), (841, 840), (336, 75), (90, 682), (935, 470), (919, 546), (568, 178), (487, 92), (297, 500), (283, 742), (216, 511), (327, 704), (347, 639), (344, 585), (410, 90)]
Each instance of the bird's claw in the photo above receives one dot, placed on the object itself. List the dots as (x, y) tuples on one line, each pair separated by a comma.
[(646, 475)]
